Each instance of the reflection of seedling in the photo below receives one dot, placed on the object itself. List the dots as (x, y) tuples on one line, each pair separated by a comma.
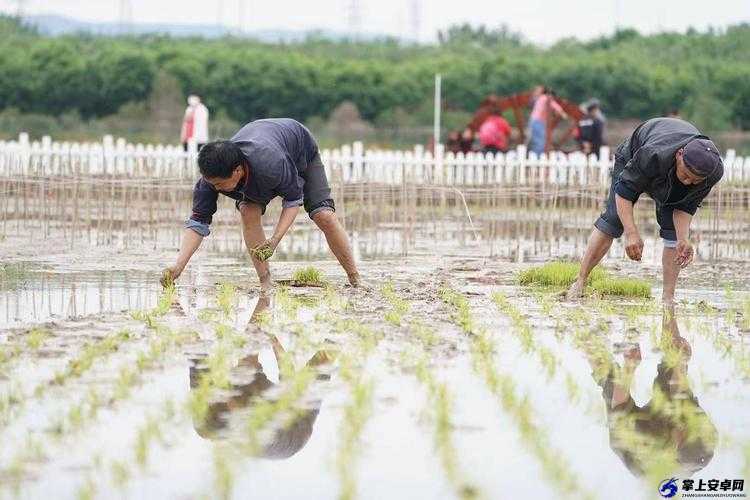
[(356, 414), (262, 252), (553, 465), (308, 276), (441, 414)]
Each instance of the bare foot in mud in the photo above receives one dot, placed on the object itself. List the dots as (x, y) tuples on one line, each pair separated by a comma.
[(356, 281), (575, 291)]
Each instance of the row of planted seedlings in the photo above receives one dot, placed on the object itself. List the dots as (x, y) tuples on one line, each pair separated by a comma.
[(227, 345), (555, 466), (267, 415), (649, 454), (338, 314), (440, 399), (72, 416)]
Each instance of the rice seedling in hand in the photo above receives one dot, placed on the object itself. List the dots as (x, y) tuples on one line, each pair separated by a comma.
[(262, 252)]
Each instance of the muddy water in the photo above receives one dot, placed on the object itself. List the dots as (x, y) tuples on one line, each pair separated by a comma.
[(365, 421)]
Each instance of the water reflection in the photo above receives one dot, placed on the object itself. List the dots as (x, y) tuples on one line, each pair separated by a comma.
[(249, 385), (672, 429)]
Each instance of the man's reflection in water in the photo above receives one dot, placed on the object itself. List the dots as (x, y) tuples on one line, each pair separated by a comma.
[(672, 424), (248, 385)]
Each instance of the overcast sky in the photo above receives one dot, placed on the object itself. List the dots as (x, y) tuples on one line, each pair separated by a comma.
[(539, 20)]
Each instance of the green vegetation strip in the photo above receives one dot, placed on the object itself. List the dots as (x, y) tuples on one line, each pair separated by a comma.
[(563, 274)]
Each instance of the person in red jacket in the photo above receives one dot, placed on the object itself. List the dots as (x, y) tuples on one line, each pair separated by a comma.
[(494, 134)]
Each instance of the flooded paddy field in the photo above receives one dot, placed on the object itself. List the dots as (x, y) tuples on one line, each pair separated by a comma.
[(444, 378)]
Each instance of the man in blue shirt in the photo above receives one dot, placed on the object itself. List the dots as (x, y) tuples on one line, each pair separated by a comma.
[(264, 159), (671, 161)]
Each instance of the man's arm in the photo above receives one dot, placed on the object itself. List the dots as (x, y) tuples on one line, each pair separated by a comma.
[(682, 228), (634, 243), (191, 240), (196, 228), (286, 219)]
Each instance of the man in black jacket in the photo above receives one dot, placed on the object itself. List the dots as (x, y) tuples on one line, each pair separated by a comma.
[(673, 163), (264, 159)]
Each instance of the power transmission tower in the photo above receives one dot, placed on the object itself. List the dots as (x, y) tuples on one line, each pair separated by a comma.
[(20, 8), (354, 18), (126, 16), (415, 19)]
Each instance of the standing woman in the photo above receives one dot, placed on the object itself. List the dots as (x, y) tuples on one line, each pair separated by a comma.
[(544, 105)]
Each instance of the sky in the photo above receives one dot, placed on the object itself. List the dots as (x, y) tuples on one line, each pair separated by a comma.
[(541, 21)]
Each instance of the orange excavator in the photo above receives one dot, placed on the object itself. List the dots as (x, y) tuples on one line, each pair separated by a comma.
[(519, 105)]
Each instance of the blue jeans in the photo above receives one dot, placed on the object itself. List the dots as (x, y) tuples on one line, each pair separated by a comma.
[(538, 136)]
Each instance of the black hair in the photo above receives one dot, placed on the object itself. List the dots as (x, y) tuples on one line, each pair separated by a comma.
[(219, 159)]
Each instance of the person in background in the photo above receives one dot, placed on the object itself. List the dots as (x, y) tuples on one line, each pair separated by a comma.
[(453, 144), (591, 128), (494, 134), (466, 143), (194, 123), (544, 105)]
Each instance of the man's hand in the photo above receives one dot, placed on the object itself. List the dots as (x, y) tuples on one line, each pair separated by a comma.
[(169, 275), (684, 253), (634, 245), (265, 250)]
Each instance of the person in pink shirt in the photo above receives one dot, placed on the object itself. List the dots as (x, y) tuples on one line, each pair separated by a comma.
[(544, 105), (494, 134)]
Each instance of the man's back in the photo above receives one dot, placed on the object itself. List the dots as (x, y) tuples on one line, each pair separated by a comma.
[(272, 140)]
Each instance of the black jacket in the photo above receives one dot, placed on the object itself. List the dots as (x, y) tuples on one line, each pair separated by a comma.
[(648, 156)]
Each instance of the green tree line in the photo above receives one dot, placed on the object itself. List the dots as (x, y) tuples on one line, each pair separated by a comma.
[(703, 74)]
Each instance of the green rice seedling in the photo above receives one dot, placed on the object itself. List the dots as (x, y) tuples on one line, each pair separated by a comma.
[(622, 287), (149, 432), (554, 466), (356, 414), (556, 274), (262, 252), (442, 409), (36, 337), (120, 472), (308, 276), (563, 274), (13, 276), (223, 473), (87, 491), (399, 307), (90, 353), (167, 280), (226, 297)]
